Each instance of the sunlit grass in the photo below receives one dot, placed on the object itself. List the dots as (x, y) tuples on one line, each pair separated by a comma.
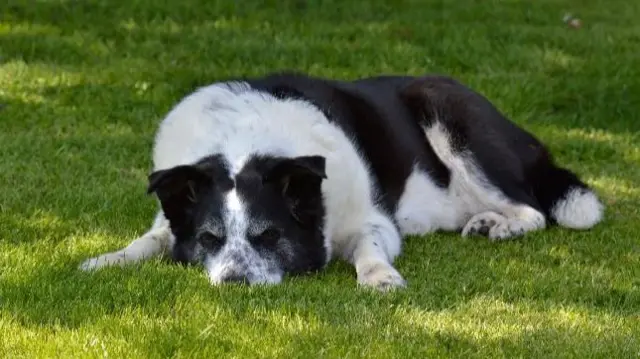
[(83, 84), (486, 319)]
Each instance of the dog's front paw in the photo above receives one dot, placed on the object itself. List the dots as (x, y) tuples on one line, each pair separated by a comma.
[(381, 276), (105, 260)]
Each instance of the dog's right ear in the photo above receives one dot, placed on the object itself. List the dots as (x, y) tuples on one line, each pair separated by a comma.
[(178, 189), (299, 180)]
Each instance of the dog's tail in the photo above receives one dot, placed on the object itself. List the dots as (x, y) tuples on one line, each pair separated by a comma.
[(566, 199)]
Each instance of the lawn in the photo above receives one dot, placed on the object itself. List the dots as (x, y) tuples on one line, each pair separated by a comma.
[(83, 85)]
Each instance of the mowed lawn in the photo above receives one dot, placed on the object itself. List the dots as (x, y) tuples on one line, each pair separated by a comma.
[(83, 85)]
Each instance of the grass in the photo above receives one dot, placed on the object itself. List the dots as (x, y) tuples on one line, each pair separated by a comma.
[(83, 85)]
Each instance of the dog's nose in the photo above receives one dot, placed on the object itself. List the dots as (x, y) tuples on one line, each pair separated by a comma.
[(236, 278)]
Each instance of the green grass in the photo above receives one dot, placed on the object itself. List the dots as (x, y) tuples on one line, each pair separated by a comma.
[(83, 85)]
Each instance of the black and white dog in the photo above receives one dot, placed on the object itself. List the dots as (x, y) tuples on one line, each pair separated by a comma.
[(264, 177)]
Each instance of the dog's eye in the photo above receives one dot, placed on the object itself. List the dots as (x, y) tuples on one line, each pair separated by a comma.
[(210, 240), (268, 237)]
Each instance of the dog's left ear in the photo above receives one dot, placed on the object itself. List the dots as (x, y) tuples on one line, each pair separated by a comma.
[(299, 179)]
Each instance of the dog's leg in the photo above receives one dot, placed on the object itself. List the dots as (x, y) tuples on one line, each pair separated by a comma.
[(374, 249), (154, 243), (494, 165)]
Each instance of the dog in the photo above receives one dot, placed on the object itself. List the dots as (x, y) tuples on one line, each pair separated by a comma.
[(266, 177)]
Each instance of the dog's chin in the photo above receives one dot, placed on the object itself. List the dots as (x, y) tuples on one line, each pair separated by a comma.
[(252, 280)]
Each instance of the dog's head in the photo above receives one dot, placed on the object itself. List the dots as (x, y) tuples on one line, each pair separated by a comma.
[(253, 226)]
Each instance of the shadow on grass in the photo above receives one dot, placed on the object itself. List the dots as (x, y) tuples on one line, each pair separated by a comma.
[(472, 306)]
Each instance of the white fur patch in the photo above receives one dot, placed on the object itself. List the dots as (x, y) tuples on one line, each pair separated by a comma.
[(424, 207), (579, 209)]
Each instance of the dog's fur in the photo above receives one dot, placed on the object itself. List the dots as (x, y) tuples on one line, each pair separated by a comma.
[(259, 178)]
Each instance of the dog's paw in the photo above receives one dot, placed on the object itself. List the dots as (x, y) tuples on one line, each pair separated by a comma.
[(105, 260), (381, 276), (494, 226), (507, 229), (482, 224)]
